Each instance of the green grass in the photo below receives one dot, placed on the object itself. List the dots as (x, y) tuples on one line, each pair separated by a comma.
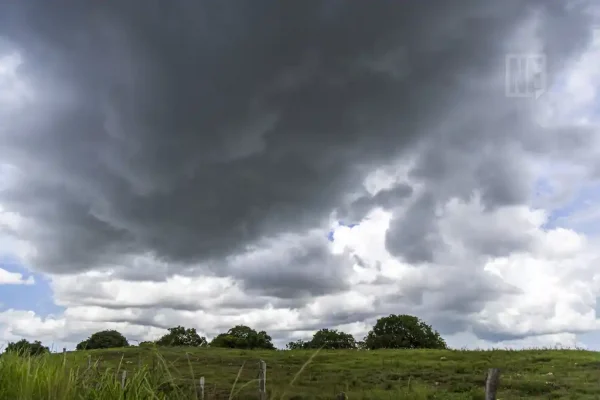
[(385, 374)]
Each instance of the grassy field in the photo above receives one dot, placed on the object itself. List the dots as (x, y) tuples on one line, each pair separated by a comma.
[(389, 374)]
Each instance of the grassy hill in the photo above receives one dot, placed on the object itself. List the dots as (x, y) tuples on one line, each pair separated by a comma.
[(389, 374)]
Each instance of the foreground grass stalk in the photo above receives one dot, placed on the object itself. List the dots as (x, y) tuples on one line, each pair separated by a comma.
[(236, 380), (300, 372)]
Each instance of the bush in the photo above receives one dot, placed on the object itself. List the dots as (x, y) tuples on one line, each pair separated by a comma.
[(179, 336), (326, 339), (243, 337), (403, 332), (103, 340), (298, 345), (332, 339), (26, 348)]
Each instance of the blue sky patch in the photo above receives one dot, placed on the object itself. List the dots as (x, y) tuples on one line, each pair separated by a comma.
[(37, 297), (330, 235), (580, 214)]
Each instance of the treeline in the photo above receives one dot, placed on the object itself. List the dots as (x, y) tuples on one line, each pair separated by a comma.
[(391, 332)]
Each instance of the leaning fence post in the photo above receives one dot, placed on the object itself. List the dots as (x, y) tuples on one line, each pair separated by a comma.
[(89, 361), (262, 381), (491, 384), (201, 388), (123, 379)]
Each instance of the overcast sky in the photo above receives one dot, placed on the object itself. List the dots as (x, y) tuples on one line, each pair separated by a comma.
[(298, 165)]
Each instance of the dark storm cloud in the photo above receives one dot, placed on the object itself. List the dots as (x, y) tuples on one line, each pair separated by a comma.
[(191, 129), (387, 199), (413, 235), (301, 267)]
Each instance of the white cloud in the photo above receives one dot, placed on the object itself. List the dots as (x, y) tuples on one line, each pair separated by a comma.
[(14, 278), (9, 243)]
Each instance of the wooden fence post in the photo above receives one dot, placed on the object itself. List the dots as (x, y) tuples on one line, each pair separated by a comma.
[(89, 361), (262, 381), (491, 384), (123, 379), (201, 388), (341, 396)]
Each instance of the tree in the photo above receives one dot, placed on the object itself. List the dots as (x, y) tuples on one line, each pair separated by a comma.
[(225, 340), (179, 336), (147, 344), (298, 345), (326, 339), (25, 348), (243, 337), (403, 332), (103, 340), (332, 339)]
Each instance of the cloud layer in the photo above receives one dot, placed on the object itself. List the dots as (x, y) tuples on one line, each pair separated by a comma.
[(184, 164)]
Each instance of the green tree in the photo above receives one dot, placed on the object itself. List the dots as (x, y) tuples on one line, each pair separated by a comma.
[(298, 345), (326, 339), (243, 337), (25, 348), (225, 340), (147, 344), (103, 340), (179, 336), (403, 332), (332, 339), (361, 345)]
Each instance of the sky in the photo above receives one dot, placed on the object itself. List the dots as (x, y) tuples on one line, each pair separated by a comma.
[(301, 165)]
